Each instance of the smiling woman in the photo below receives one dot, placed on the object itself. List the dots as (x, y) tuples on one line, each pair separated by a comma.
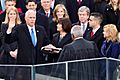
[(58, 13), (61, 38), (11, 21), (9, 56)]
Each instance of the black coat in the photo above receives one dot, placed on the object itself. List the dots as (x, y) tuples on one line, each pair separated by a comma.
[(73, 6), (53, 28), (41, 11), (27, 53), (59, 44), (2, 17), (79, 49), (97, 37), (65, 40), (111, 16), (41, 20), (7, 59), (84, 70)]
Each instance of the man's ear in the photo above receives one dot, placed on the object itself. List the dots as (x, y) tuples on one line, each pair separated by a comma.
[(72, 36), (26, 6), (36, 6), (14, 3), (25, 18)]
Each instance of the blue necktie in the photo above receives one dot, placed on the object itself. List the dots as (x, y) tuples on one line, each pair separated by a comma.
[(33, 37)]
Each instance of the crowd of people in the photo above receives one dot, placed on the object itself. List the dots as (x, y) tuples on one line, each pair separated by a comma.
[(45, 31)]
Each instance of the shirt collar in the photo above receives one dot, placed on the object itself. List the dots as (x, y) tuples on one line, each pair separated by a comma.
[(95, 30), (31, 28), (84, 23), (48, 13), (78, 38)]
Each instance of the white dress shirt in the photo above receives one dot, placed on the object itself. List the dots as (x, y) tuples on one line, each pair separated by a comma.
[(29, 28)]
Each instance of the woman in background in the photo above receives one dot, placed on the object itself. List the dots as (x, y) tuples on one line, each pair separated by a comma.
[(61, 38), (11, 20), (10, 50), (58, 13), (110, 49), (112, 13), (111, 46)]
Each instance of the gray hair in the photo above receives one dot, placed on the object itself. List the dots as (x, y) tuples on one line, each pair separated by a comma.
[(42, 0), (76, 31), (84, 8), (29, 11)]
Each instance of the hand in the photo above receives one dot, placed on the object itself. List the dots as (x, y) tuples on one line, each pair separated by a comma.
[(57, 50), (50, 46), (14, 53)]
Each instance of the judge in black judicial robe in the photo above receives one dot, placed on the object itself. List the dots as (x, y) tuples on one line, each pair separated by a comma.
[(77, 50)]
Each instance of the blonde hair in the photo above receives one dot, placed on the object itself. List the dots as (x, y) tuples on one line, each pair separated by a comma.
[(55, 18), (118, 5), (112, 32), (17, 20)]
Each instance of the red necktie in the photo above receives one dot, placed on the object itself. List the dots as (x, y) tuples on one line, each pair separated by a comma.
[(46, 14), (92, 33)]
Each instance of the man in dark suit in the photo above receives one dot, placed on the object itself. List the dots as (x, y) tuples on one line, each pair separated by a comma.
[(46, 9), (96, 33), (30, 39), (29, 48), (83, 14), (53, 4), (41, 19), (80, 49), (73, 6)]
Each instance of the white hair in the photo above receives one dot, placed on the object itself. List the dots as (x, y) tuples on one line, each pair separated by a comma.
[(76, 31), (29, 11), (84, 8)]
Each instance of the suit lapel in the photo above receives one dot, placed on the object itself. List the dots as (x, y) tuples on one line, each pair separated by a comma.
[(28, 34), (87, 30), (98, 32), (64, 39), (38, 35)]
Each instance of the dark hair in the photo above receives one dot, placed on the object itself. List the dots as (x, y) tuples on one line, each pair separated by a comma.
[(97, 15), (27, 1), (66, 24), (9, 0)]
